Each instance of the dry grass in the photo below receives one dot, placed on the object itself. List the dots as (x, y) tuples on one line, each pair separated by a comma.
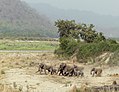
[(21, 60), (5, 88), (28, 62)]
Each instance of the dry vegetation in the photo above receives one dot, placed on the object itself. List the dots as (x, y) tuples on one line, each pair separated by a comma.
[(18, 74)]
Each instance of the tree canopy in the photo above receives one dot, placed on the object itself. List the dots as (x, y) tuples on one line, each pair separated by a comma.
[(69, 28)]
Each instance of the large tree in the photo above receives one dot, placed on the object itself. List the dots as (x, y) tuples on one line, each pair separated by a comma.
[(94, 43), (69, 28)]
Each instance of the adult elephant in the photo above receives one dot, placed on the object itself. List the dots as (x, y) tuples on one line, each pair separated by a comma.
[(45, 68), (68, 71), (61, 68), (78, 71)]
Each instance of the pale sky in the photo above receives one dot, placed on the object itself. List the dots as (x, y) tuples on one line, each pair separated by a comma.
[(105, 7)]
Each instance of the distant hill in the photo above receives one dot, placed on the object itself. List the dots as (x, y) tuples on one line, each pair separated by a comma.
[(107, 24), (17, 19)]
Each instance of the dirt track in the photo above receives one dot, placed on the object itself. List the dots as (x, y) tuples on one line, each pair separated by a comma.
[(19, 72)]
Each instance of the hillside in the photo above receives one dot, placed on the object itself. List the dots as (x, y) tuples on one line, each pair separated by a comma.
[(17, 19), (107, 24)]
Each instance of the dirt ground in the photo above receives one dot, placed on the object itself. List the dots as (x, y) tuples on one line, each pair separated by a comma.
[(18, 70)]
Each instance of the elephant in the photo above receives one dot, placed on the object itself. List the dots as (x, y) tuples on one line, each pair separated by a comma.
[(96, 72), (68, 71), (45, 68), (78, 71), (61, 68)]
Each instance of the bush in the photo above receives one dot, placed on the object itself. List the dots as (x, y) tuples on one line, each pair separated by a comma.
[(94, 43), (87, 50), (71, 47), (111, 41), (67, 46)]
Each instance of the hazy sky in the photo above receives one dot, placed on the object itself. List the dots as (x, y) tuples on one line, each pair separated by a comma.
[(108, 7)]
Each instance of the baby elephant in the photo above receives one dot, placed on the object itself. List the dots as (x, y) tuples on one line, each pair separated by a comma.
[(53, 70), (96, 72)]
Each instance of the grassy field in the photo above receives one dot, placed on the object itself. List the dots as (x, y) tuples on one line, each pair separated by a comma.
[(28, 45)]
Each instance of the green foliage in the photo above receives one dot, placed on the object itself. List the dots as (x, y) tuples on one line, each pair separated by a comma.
[(72, 47), (28, 45), (69, 45), (25, 30), (87, 50), (93, 43), (111, 41), (78, 31), (67, 28)]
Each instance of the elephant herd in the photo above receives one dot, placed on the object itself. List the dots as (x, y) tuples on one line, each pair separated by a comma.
[(67, 70)]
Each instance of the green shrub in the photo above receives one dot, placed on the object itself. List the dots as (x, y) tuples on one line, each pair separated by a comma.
[(71, 34), (111, 41), (67, 46), (84, 50), (71, 47), (87, 50)]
